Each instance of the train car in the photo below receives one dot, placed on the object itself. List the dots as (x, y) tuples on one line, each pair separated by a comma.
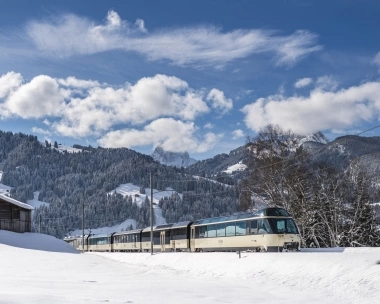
[(100, 242), (161, 238), (127, 241), (77, 241), (269, 229), (180, 236)]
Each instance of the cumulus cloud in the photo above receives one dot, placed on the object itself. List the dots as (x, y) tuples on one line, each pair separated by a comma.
[(203, 45), (42, 96), (78, 108), (9, 82), (303, 82), (172, 135), (209, 125), (237, 134), (321, 110), (219, 101)]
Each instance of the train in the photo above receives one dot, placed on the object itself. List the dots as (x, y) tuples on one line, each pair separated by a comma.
[(269, 229)]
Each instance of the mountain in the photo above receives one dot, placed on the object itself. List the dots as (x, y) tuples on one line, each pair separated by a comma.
[(66, 181), (172, 159), (317, 137), (220, 163)]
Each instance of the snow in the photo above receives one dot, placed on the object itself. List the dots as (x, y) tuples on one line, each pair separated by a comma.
[(62, 148), (35, 202), (15, 202), (5, 188), (314, 276), (134, 191), (236, 167), (34, 241)]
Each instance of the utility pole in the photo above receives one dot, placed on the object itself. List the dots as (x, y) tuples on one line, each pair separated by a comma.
[(151, 213), (39, 230), (83, 226)]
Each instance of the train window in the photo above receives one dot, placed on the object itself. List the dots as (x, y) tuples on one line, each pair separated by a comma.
[(211, 231), (179, 234), (203, 232), (277, 212), (264, 227), (241, 228), (146, 236), (284, 226), (230, 229), (156, 237), (221, 230), (254, 227)]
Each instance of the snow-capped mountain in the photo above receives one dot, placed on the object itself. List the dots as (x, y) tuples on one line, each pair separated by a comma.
[(172, 158), (317, 137)]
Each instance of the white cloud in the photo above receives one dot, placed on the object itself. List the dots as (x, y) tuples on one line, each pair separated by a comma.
[(41, 131), (219, 101), (303, 82), (376, 60), (321, 110), (237, 134), (141, 25), (209, 125), (9, 82), (40, 97), (73, 82), (327, 83), (171, 135), (197, 46), (78, 108)]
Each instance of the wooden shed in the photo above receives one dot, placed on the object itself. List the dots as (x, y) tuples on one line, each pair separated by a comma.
[(14, 215)]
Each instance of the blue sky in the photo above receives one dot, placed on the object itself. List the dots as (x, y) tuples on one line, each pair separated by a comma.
[(196, 76)]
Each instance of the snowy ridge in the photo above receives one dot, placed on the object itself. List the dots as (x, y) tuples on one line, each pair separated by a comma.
[(315, 137)]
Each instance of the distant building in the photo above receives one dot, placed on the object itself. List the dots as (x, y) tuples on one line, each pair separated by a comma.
[(14, 215)]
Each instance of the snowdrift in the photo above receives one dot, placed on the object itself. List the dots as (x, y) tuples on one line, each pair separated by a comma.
[(35, 241)]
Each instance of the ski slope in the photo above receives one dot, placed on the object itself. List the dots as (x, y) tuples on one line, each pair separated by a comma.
[(41, 269)]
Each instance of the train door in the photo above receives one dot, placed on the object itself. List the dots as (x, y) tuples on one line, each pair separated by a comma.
[(162, 241), (192, 239)]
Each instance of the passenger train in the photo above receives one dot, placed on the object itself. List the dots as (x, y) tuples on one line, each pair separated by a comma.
[(269, 229)]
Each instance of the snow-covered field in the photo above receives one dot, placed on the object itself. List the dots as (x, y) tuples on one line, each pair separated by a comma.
[(237, 167), (35, 202), (41, 269)]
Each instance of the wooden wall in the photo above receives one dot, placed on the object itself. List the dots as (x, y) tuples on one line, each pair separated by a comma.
[(14, 218)]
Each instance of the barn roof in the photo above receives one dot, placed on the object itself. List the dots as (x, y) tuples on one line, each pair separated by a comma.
[(15, 202)]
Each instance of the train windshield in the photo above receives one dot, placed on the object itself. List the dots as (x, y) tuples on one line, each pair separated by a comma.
[(283, 226)]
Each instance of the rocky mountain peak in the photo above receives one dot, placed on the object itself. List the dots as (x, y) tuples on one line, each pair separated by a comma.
[(175, 159)]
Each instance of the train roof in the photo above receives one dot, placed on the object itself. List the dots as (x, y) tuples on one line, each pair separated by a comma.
[(94, 236), (273, 211), (181, 224), (128, 232)]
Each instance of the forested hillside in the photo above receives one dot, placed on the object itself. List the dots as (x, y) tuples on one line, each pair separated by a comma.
[(67, 180), (330, 191)]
